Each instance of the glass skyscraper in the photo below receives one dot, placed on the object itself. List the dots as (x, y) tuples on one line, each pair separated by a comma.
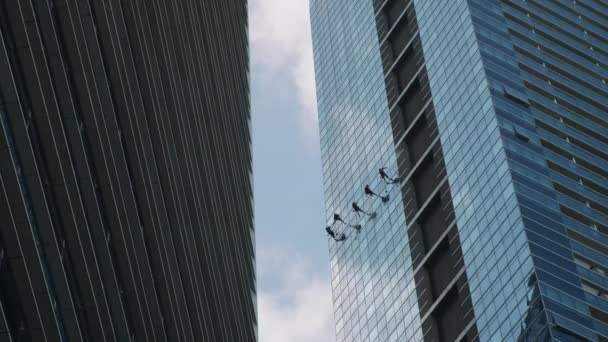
[(493, 115), (125, 172)]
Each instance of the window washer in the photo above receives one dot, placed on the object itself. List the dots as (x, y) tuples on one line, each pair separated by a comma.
[(339, 237), (386, 178), (369, 192), (357, 209)]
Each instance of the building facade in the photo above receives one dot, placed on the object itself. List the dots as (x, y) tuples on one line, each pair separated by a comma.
[(494, 117), (125, 172)]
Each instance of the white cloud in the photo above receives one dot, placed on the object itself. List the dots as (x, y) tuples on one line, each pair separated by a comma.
[(281, 43), (298, 306)]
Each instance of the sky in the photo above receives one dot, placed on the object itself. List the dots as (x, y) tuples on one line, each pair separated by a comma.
[(294, 294)]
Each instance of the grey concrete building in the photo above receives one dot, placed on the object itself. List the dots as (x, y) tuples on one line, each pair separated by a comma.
[(125, 171)]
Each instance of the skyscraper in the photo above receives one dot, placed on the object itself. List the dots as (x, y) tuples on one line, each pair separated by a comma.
[(493, 116), (125, 171)]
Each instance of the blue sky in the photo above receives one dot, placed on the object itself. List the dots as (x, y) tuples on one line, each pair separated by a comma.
[(294, 296)]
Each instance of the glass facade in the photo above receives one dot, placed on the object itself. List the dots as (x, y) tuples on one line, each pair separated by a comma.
[(372, 277), (514, 99), (497, 258)]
